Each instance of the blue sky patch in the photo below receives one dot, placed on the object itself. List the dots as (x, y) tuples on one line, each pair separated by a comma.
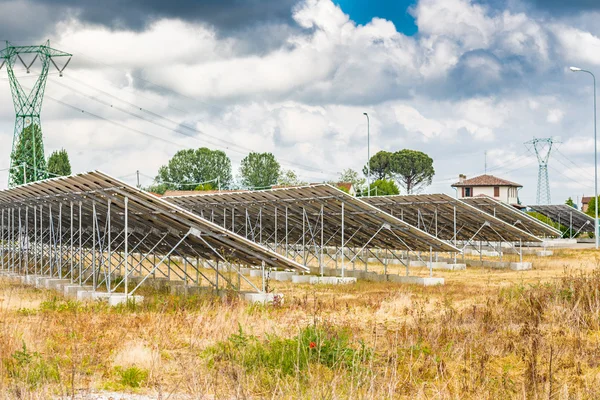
[(362, 11)]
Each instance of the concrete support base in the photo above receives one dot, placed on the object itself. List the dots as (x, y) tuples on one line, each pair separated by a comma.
[(85, 295), (40, 281), (301, 278), (190, 290), (456, 267), (263, 297), (30, 279), (53, 283), (490, 253), (119, 298), (71, 290), (417, 264), (331, 280), (282, 276), (520, 266), (256, 273), (245, 271), (544, 253), (417, 280), (437, 265)]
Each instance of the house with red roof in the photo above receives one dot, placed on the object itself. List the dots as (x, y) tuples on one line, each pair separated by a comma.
[(488, 185)]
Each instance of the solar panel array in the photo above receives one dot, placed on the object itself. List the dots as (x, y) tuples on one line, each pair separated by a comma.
[(301, 207), (511, 215), (156, 220), (567, 216), (440, 214)]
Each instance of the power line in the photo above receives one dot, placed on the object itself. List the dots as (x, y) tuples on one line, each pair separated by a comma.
[(246, 149)]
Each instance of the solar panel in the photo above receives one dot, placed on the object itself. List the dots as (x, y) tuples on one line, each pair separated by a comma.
[(511, 215), (442, 215), (566, 216), (297, 212), (90, 211)]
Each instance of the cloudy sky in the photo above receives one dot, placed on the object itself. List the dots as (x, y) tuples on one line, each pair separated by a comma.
[(452, 78)]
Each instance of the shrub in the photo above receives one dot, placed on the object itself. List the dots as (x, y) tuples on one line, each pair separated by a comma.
[(312, 345), (30, 368), (132, 377)]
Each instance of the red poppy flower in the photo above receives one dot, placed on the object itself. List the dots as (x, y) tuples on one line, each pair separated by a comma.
[(312, 345)]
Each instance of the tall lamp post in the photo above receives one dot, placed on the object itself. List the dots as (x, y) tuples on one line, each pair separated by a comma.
[(368, 155), (575, 69)]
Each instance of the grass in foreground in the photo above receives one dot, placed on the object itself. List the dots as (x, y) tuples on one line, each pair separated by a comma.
[(523, 339)]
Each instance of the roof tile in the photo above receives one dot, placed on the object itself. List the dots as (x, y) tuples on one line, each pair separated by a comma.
[(486, 180)]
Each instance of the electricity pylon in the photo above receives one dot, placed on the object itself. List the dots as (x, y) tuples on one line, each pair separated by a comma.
[(28, 107), (543, 148)]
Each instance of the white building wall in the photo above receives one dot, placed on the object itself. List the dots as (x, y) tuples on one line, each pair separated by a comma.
[(507, 194)]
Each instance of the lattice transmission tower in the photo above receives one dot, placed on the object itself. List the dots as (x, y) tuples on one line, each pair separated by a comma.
[(28, 104), (543, 148)]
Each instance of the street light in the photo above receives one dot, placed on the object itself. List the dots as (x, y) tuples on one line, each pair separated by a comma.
[(575, 69), (368, 155)]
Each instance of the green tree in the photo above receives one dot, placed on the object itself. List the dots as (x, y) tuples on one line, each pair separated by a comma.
[(159, 188), (29, 164), (381, 164), (570, 202), (189, 168), (384, 187), (206, 186), (59, 164), (412, 169), (591, 210), (259, 170), (351, 176), (289, 178)]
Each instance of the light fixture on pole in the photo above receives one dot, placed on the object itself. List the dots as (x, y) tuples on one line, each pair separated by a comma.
[(575, 69), (368, 155)]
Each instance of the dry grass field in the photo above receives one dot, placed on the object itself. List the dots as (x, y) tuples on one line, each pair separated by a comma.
[(486, 334)]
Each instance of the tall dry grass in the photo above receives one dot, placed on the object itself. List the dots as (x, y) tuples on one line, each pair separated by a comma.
[(372, 340)]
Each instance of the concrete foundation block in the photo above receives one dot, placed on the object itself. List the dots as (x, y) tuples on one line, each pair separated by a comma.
[(101, 295), (417, 280), (245, 271), (71, 290), (544, 253), (491, 253), (263, 297), (282, 276), (456, 267), (190, 290), (520, 266), (256, 273), (437, 265), (31, 279), (416, 263), (53, 283), (355, 274), (331, 280), (372, 277), (40, 281), (301, 278), (495, 264), (83, 295), (119, 298)]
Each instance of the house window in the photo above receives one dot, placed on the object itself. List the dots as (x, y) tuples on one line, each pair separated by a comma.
[(496, 191), (468, 192)]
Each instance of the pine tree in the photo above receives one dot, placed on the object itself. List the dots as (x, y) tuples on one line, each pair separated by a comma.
[(59, 164), (28, 162)]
